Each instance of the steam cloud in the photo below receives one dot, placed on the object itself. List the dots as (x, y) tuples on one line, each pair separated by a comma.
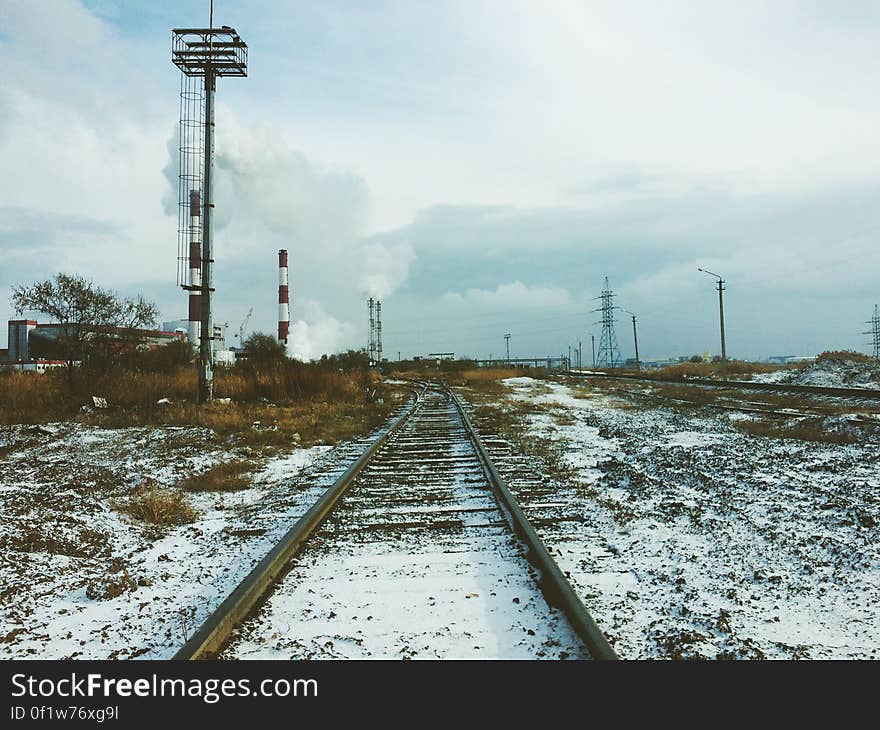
[(269, 196), (386, 267)]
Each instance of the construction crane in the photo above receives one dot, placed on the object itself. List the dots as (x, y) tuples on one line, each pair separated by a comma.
[(244, 324)]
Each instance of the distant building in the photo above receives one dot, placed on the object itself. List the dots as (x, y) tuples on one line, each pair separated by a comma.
[(789, 359), (176, 325), (35, 366), (19, 336), (660, 362), (223, 355), (31, 342)]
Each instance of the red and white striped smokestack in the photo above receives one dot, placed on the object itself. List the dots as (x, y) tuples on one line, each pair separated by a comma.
[(195, 268), (283, 298)]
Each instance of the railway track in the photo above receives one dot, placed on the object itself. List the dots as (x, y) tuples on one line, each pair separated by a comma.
[(738, 406), (822, 402), (856, 394), (418, 550)]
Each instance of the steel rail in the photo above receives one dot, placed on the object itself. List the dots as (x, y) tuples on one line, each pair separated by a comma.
[(216, 629), (552, 582), (749, 408), (866, 393)]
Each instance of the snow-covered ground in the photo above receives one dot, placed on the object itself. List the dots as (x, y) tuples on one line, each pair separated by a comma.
[(827, 374), (64, 544), (688, 538)]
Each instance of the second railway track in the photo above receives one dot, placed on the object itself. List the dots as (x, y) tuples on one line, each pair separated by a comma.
[(422, 553)]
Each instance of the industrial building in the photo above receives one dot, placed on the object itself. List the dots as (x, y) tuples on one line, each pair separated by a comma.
[(32, 343)]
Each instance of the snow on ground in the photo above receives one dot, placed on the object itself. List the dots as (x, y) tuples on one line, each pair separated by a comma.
[(65, 547), (827, 374), (688, 538)]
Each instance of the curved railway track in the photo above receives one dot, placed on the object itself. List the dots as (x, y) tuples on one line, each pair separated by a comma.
[(857, 394), (739, 406), (418, 550), (815, 401)]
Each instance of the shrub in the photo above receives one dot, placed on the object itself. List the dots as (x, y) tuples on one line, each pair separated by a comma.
[(843, 355), (158, 506)]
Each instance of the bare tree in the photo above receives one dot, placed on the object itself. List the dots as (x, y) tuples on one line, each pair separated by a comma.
[(121, 329), (94, 324)]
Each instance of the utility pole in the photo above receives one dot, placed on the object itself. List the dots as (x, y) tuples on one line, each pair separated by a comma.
[(372, 346), (635, 338), (580, 354), (507, 338), (593, 338), (379, 335), (721, 314), (569, 357), (875, 331)]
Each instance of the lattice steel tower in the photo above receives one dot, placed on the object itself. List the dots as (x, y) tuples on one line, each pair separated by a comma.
[(875, 331), (609, 352), (203, 55)]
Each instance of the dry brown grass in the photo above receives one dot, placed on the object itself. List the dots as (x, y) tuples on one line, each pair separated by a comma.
[(157, 506), (37, 397), (23, 396), (335, 406), (46, 539), (488, 380), (110, 586), (808, 429), (484, 375), (843, 355), (684, 396), (713, 369), (279, 426), (226, 477)]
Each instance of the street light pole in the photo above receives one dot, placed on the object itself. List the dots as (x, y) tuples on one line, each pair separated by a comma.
[(635, 338), (721, 314)]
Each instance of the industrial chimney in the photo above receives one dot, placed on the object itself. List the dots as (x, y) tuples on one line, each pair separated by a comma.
[(283, 298), (194, 327)]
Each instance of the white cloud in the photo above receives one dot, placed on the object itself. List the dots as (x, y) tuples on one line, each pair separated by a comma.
[(385, 268), (637, 139), (514, 295)]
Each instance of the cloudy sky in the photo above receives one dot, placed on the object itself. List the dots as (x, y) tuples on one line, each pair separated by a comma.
[(480, 166)]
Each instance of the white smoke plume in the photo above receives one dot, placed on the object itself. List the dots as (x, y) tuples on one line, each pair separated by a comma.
[(270, 196), (386, 267), (317, 333)]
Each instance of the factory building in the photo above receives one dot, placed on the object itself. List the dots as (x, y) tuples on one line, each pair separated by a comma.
[(19, 333), (32, 342), (223, 354)]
